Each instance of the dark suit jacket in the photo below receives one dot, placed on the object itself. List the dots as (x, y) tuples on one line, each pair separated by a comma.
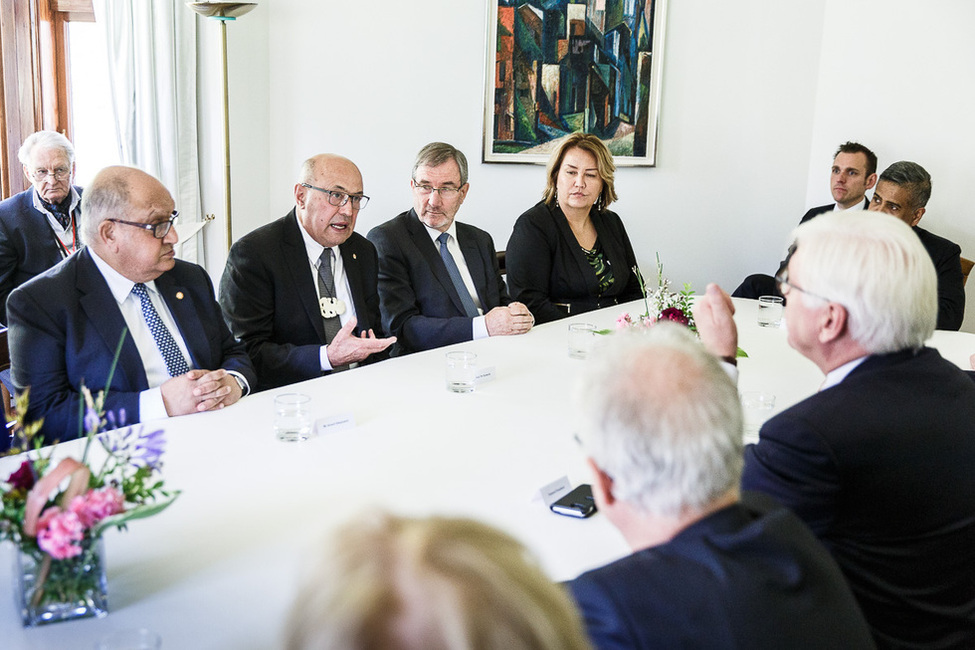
[(546, 265), (65, 326), (28, 245), (419, 303), (829, 207), (881, 468), (270, 301), (946, 256), (748, 576)]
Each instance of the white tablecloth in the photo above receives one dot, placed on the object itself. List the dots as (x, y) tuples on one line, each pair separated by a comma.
[(218, 569)]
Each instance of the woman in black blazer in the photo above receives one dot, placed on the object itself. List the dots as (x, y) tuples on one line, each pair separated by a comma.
[(569, 254)]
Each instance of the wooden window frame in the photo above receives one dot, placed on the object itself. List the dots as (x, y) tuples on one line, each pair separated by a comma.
[(34, 76)]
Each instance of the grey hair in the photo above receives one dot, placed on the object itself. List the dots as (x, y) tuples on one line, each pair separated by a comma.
[(876, 268), (106, 197), (912, 177), (662, 418), (45, 140), (436, 154)]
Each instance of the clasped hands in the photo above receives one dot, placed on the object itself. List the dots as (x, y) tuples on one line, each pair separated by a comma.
[(505, 321), (200, 390)]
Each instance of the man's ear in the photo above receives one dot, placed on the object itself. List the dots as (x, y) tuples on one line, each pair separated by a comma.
[(871, 181), (833, 323), (917, 216), (602, 484), (107, 233)]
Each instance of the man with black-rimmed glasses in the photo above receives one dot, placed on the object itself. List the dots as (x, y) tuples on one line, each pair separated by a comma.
[(300, 292), (125, 293)]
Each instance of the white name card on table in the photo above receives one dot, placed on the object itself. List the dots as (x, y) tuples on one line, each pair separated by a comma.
[(483, 374), (553, 491), (333, 423)]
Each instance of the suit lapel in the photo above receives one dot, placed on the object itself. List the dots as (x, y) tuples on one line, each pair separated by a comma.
[(421, 239), (294, 256), (350, 262), (102, 311), (475, 263), (187, 317)]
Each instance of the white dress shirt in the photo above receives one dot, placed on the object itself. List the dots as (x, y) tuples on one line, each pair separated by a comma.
[(151, 406), (67, 236), (478, 327), (342, 290)]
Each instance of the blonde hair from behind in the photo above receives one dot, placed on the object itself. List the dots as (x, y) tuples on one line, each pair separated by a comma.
[(437, 583)]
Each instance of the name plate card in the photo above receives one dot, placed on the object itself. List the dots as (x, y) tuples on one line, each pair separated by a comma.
[(553, 491), (483, 374), (333, 423)]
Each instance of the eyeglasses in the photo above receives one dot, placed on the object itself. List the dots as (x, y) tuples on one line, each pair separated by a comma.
[(59, 174), (338, 199), (159, 230), (446, 193), (784, 286)]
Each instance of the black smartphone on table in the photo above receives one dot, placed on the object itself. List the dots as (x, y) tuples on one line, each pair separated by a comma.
[(577, 503)]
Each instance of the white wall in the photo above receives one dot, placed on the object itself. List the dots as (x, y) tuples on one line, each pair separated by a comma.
[(756, 96)]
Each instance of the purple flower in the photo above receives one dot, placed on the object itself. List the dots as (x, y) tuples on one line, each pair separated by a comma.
[(149, 448), (113, 422), (23, 478), (674, 314), (92, 421)]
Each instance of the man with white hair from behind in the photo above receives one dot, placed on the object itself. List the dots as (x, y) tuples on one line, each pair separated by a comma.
[(662, 429), (879, 462)]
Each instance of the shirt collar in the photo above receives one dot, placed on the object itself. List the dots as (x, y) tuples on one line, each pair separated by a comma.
[(118, 284), (39, 204), (836, 375), (434, 233), (312, 248)]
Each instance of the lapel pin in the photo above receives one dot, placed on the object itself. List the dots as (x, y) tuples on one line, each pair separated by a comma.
[(353, 256), (179, 295)]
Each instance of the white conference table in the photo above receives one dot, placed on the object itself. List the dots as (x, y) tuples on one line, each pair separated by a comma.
[(219, 568)]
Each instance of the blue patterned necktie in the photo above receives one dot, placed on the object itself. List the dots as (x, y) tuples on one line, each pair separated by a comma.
[(175, 363), (454, 273)]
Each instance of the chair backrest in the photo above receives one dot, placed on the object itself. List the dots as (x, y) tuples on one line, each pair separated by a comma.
[(966, 268), (6, 387)]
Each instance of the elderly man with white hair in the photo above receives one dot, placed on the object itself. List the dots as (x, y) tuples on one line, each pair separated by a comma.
[(39, 226), (880, 461), (662, 427)]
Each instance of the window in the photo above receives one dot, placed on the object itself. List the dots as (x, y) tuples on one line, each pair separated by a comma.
[(33, 76)]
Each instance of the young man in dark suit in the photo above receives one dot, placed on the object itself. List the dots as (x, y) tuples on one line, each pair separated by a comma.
[(177, 355), (879, 462), (854, 171), (439, 281), (662, 428), (298, 319), (39, 226)]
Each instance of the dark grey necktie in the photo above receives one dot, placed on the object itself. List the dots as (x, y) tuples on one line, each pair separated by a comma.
[(454, 273), (326, 289)]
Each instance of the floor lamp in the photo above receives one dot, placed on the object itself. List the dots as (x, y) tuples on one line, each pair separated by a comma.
[(224, 12)]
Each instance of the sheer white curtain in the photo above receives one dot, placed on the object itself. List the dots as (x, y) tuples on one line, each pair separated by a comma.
[(152, 63)]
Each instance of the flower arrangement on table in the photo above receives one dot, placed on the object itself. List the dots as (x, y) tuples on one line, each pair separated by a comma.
[(58, 528), (661, 304)]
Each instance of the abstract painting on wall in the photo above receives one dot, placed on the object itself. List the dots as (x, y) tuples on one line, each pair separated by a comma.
[(556, 67)]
